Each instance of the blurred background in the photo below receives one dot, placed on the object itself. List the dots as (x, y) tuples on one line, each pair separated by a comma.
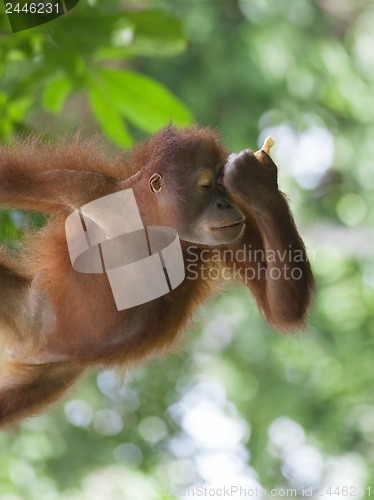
[(237, 404)]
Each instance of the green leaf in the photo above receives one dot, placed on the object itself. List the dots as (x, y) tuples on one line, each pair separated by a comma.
[(146, 33), (55, 94), (156, 24), (18, 108), (108, 117), (146, 103), (144, 47)]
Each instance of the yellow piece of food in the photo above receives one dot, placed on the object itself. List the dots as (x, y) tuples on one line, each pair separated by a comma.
[(268, 144)]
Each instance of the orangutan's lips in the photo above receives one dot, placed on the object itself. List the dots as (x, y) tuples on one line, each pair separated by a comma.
[(234, 224)]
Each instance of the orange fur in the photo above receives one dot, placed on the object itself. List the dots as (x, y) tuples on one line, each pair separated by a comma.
[(55, 322)]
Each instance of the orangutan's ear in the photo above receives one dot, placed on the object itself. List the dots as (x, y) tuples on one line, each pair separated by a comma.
[(155, 183)]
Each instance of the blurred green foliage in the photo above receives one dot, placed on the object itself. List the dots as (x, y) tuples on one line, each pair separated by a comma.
[(44, 65), (237, 403)]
